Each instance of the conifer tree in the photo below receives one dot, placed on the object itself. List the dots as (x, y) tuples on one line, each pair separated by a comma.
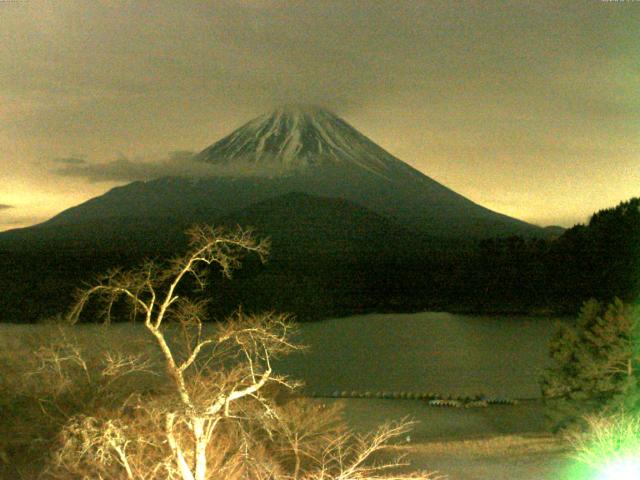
[(595, 364)]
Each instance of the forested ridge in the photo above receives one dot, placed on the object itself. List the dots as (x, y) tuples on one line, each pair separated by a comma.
[(334, 258)]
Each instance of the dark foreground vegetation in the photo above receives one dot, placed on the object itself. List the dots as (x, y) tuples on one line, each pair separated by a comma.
[(592, 389), (332, 258), (596, 365), (189, 405)]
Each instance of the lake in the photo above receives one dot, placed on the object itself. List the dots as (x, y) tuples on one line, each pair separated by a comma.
[(429, 352)]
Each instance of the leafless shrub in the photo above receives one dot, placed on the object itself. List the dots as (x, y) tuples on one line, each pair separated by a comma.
[(69, 380)]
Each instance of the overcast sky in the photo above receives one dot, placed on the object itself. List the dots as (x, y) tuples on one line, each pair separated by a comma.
[(529, 108)]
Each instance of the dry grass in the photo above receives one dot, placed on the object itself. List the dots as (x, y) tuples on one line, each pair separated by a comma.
[(499, 446)]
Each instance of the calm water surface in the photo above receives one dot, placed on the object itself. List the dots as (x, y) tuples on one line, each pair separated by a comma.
[(430, 352)]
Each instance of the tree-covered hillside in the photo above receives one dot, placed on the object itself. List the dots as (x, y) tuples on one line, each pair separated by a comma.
[(332, 257)]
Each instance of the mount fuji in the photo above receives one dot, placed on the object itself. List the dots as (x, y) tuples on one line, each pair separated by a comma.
[(352, 227), (292, 149)]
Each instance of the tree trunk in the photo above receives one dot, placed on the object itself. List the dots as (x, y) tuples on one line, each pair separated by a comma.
[(185, 471), (200, 448)]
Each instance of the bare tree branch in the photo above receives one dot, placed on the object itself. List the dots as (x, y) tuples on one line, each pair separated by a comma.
[(218, 383)]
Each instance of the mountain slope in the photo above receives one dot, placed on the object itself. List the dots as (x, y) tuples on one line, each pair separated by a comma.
[(301, 149), (328, 256), (313, 150), (296, 137), (303, 226)]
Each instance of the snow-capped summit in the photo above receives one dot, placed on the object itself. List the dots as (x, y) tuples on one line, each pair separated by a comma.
[(298, 149), (299, 136)]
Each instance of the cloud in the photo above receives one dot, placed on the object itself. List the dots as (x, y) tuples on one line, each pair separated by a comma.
[(176, 164), (71, 160), (20, 221), (12, 216), (124, 169), (464, 91)]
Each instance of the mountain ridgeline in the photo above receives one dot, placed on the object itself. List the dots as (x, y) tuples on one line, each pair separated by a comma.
[(308, 150), (353, 229)]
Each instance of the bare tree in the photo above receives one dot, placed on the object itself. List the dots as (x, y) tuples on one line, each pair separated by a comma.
[(153, 292), (219, 387)]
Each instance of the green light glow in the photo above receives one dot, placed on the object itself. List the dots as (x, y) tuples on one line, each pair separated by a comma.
[(623, 469), (610, 450)]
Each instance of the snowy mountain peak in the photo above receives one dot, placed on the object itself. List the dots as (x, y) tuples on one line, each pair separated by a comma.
[(295, 149), (299, 136)]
